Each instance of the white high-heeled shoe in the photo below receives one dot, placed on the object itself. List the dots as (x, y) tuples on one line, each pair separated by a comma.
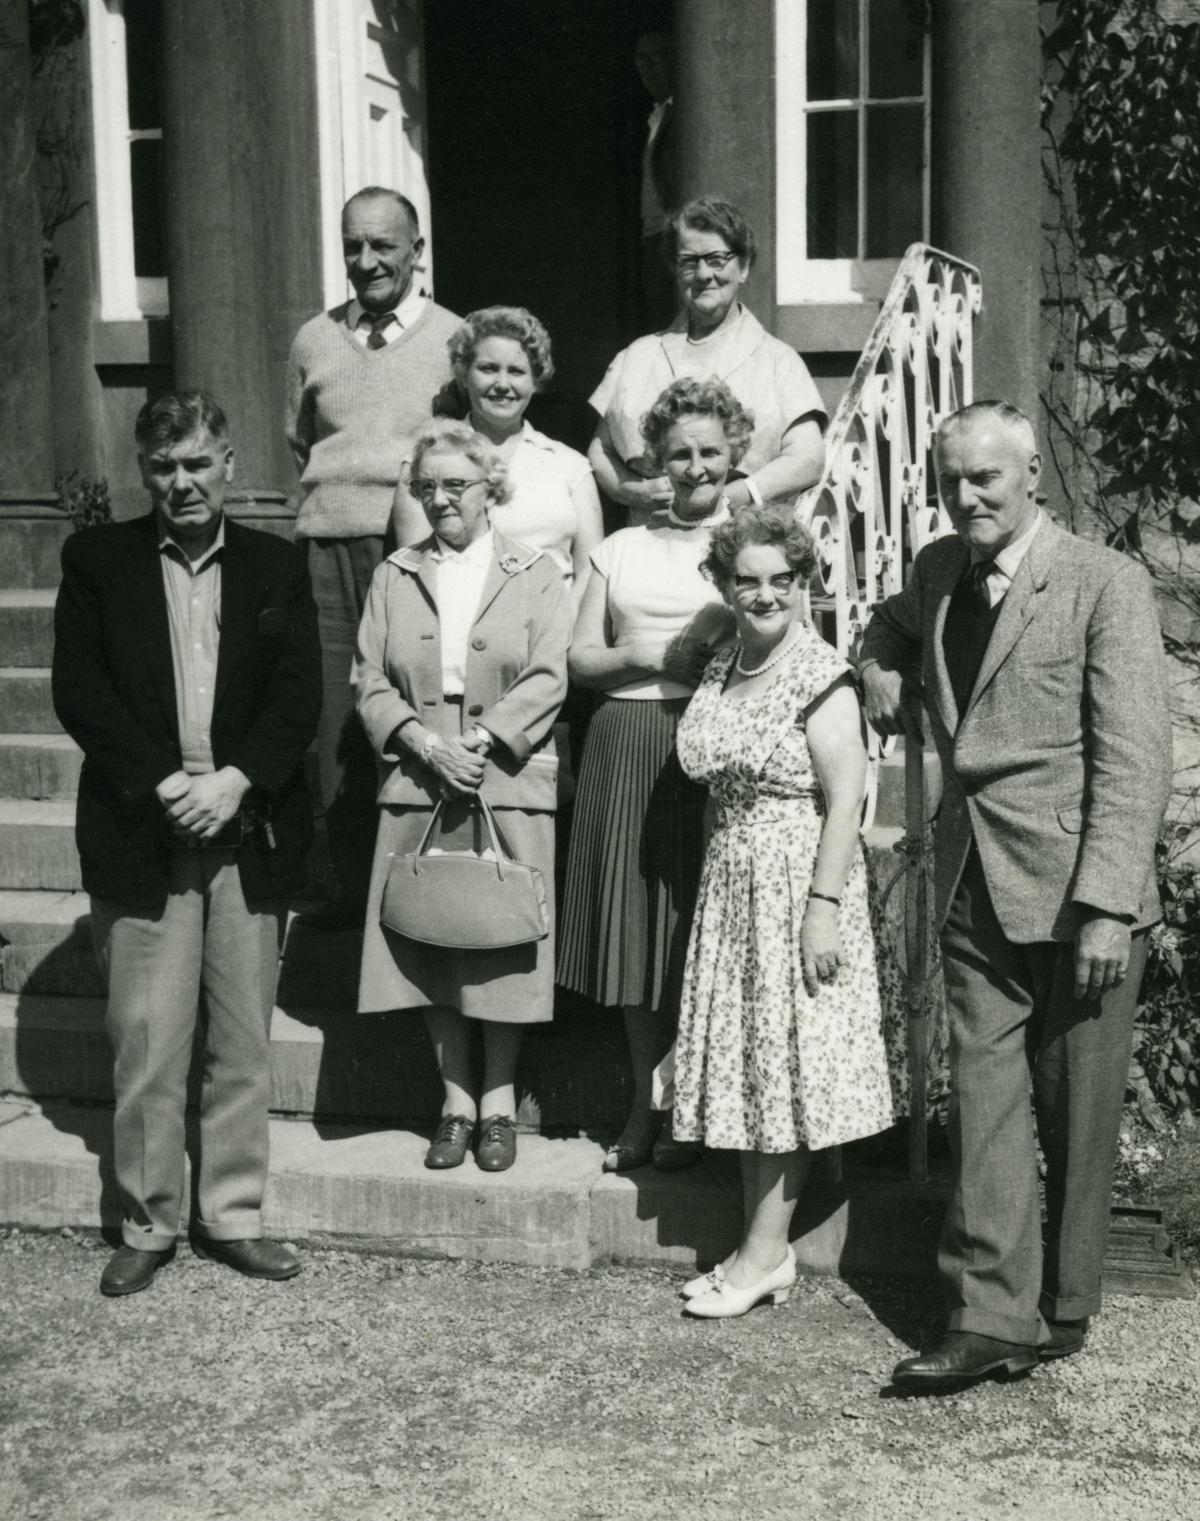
[(726, 1301), (704, 1283)]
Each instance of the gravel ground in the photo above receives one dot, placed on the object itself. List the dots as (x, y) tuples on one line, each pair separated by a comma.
[(390, 1389)]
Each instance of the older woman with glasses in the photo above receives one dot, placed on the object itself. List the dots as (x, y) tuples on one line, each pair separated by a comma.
[(711, 250), (781, 1048), (460, 672)]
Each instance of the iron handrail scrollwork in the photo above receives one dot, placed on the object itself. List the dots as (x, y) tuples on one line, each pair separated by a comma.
[(874, 509)]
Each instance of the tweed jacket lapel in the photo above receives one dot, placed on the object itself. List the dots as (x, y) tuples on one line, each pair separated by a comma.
[(1019, 608), (942, 590)]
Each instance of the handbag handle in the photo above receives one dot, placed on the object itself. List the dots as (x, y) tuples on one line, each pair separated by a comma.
[(433, 833)]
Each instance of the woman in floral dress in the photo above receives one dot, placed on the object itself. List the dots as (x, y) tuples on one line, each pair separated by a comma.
[(781, 1048)]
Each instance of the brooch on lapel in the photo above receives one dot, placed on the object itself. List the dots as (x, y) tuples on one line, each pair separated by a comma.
[(509, 564)]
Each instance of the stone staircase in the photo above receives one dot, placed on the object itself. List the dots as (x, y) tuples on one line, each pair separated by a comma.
[(349, 1092)]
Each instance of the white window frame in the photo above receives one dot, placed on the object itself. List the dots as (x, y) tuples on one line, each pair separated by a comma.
[(124, 296), (799, 279), (350, 65)]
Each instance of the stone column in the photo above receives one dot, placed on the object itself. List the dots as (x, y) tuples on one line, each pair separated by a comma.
[(725, 97), (243, 210), (987, 179), (26, 444)]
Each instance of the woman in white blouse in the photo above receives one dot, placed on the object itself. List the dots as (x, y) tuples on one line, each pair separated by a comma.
[(647, 626), (460, 672), (501, 358)]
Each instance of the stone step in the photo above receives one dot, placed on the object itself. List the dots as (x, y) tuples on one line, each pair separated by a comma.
[(37, 845), (39, 766), (27, 626), (31, 545), (367, 1186), (46, 945), (25, 703), (332, 1064)]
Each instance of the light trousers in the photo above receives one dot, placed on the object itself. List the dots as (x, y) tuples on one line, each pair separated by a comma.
[(206, 939), (1016, 1030), (341, 572)]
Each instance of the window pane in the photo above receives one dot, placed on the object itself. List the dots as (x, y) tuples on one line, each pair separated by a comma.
[(895, 183), (149, 200), (897, 49), (833, 49), (143, 62), (832, 208)]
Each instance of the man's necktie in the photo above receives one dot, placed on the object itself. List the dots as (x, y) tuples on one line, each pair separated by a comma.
[(378, 327), (981, 601)]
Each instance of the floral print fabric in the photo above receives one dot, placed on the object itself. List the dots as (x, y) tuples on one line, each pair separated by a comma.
[(761, 1065)]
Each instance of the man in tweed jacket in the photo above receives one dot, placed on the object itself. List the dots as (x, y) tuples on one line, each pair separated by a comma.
[(1039, 661)]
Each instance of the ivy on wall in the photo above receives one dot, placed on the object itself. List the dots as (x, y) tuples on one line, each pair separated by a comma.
[(1124, 163), (1121, 111)]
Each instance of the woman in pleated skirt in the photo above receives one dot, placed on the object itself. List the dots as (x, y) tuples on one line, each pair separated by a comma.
[(648, 623)]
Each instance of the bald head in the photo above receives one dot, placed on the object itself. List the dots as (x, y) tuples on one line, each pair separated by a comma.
[(382, 245)]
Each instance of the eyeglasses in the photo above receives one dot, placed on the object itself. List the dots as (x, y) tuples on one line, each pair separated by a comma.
[(425, 489), (747, 587), (688, 264)]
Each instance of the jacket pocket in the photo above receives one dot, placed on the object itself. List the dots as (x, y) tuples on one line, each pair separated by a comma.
[(1071, 819)]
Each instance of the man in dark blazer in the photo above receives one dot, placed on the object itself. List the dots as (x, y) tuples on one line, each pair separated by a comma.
[(187, 668), (1039, 661)]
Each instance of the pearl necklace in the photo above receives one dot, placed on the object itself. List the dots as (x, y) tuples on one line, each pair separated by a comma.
[(718, 515), (788, 646)]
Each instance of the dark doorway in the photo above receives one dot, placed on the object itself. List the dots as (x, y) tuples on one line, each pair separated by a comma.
[(536, 123)]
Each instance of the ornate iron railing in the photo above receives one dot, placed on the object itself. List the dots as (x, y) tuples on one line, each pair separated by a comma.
[(874, 509)]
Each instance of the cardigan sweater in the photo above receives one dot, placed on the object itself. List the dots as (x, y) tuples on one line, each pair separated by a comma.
[(353, 414)]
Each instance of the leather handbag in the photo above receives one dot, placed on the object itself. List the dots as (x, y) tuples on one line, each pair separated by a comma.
[(461, 899)]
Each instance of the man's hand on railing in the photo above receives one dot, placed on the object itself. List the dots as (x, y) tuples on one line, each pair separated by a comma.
[(891, 702)]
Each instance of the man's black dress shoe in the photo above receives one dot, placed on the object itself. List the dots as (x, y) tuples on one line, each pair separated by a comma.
[(962, 1356), (130, 1270), (1066, 1337), (255, 1258)]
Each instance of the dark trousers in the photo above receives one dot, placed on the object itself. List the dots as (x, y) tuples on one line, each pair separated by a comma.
[(1015, 1025), (341, 571)]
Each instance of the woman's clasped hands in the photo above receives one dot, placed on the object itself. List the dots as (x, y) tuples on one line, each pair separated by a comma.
[(457, 763)]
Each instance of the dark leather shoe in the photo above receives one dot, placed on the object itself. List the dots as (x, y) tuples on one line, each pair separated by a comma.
[(497, 1149), (962, 1356), (129, 1270), (1066, 1337), (255, 1258), (450, 1141)]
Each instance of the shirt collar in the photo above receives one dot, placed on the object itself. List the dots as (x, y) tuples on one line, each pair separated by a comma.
[(1008, 561), (167, 545), (406, 313), (481, 549)]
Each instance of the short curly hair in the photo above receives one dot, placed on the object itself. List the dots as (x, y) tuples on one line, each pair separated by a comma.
[(752, 524), (697, 398), (445, 435), (708, 213), (493, 322)]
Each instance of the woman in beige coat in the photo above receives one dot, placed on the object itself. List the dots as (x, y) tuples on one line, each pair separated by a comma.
[(460, 672)]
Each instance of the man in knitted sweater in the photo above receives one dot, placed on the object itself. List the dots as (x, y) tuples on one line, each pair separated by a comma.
[(361, 379)]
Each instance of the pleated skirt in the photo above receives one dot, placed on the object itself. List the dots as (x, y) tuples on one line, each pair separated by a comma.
[(512, 985), (637, 845)]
